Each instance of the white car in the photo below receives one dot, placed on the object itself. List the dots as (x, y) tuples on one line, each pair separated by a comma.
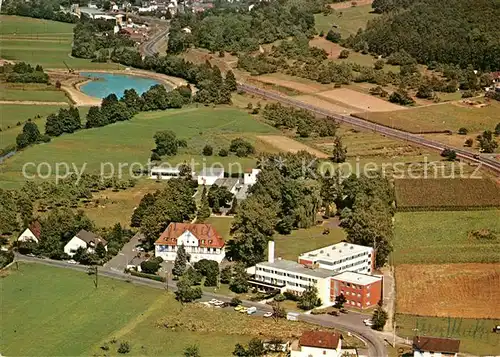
[(213, 301), (71, 261), (268, 314), (368, 322)]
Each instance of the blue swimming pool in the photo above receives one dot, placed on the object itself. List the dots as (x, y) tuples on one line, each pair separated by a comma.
[(107, 83)]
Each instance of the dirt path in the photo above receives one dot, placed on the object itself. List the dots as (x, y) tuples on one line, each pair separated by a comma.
[(31, 102)]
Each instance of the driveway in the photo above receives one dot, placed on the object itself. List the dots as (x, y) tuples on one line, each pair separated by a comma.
[(126, 254)]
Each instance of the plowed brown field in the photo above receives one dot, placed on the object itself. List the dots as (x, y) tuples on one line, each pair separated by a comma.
[(455, 290)]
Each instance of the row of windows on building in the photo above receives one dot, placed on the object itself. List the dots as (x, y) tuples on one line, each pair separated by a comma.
[(293, 276), (326, 262), (280, 282), (347, 293), (353, 286), (169, 248)]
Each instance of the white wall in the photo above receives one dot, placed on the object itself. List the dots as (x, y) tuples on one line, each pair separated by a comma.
[(209, 180), (169, 253), (251, 178), (429, 354), (27, 235), (75, 243), (315, 352)]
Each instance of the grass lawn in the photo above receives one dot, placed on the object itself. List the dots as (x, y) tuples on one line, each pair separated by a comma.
[(222, 225), (11, 114), (132, 141), (441, 117), (475, 335), (62, 308), (303, 240), (43, 42), (442, 237), (348, 20), (41, 93), (110, 207)]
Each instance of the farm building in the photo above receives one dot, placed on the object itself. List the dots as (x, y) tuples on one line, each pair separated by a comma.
[(424, 346), (201, 241), (32, 233)]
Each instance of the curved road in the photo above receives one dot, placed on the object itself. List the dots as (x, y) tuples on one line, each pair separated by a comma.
[(149, 47), (352, 322), (491, 164)]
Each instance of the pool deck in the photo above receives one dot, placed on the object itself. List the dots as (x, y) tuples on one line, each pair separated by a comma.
[(71, 83)]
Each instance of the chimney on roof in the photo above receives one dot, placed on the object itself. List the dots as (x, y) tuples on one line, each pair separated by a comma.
[(270, 251)]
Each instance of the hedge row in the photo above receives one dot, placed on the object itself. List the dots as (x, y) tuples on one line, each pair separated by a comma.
[(148, 276)]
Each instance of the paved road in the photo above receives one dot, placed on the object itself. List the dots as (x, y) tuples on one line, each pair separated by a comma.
[(485, 161), (352, 322)]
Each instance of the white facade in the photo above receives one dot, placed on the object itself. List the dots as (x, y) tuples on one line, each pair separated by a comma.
[(433, 354), (250, 178), (71, 247), (192, 247), (209, 176), (341, 257), (164, 173), (294, 277), (306, 351), (27, 236)]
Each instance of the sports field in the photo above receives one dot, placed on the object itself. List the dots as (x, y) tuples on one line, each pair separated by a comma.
[(441, 117), (132, 141), (43, 42), (347, 20), (475, 334), (442, 237), (64, 312)]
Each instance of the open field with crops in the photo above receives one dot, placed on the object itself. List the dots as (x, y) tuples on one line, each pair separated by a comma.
[(457, 290), (361, 101), (285, 144), (131, 142), (347, 20), (444, 237), (43, 42), (62, 308), (476, 336), (440, 117), (444, 194)]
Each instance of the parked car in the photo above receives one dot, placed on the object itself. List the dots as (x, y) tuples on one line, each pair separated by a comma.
[(244, 310), (239, 308), (268, 314), (71, 261), (251, 310), (368, 322), (344, 311), (333, 313)]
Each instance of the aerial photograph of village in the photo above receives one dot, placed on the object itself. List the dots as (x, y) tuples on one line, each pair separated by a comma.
[(281, 178)]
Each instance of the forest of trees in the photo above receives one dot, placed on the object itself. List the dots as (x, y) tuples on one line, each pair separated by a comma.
[(447, 31), (239, 29)]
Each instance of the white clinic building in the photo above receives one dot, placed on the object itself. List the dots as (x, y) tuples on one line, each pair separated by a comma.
[(341, 257)]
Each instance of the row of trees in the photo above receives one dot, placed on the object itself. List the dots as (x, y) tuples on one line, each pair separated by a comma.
[(444, 32), (39, 9), (22, 72)]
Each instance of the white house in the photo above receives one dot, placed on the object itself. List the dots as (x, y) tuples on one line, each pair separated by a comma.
[(341, 257), (164, 173), (250, 178), (318, 344), (424, 346), (200, 241), (208, 176), (85, 240), (287, 275), (186, 29), (31, 234), (230, 183)]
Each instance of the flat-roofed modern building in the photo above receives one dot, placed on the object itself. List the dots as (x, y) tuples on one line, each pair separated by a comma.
[(360, 290), (164, 173), (341, 257)]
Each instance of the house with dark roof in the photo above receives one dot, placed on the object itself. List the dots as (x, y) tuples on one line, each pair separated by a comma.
[(200, 241), (424, 346), (86, 240), (318, 343), (31, 234)]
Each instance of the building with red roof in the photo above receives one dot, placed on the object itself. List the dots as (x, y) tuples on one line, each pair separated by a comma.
[(32, 233), (200, 240), (318, 343)]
